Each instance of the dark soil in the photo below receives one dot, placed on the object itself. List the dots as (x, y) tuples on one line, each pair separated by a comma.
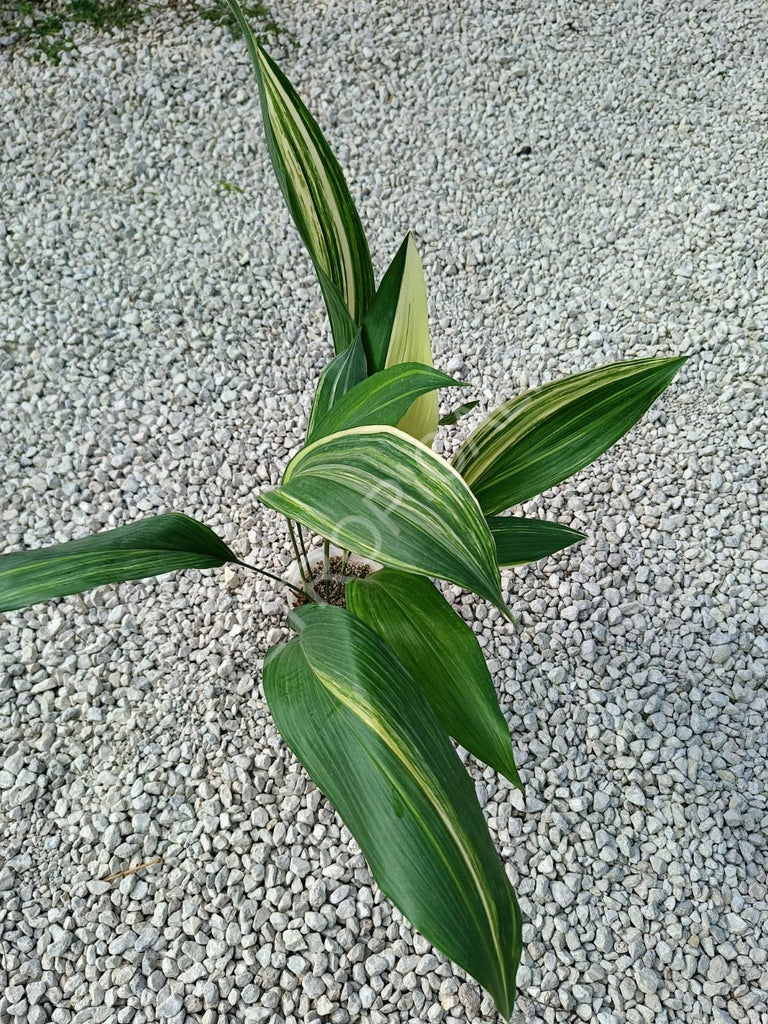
[(334, 593)]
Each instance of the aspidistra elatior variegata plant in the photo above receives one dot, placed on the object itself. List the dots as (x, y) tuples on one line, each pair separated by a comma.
[(370, 695)]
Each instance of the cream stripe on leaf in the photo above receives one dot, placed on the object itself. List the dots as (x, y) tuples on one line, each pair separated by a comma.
[(314, 188), (355, 717), (379, 493), (147, 548), (539, 439)]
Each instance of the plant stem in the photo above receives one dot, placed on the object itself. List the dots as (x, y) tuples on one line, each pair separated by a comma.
[(344, 556), (304, 550), (271, 576), (326, 566), (305, 577)]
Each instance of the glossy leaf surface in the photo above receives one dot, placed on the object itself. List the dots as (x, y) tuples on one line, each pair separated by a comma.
[(147, 548), (519, 541), (316, 193), (456, 414), (384, 398), (356, 719), (442, 654), (539, 439), (379, 493)]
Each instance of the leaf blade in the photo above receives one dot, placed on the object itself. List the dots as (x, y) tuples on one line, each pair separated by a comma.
[(442, 654), (456, 414), (537, 440), (383, 398), (520, 541), (146, 548), (379, 493), (316, 193), (354, 717)]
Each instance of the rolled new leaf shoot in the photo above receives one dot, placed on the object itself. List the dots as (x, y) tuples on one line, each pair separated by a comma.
[(148, 548)]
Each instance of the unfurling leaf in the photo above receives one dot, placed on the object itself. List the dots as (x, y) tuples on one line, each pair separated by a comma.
[(379, 493), (147, 548), (316, 193), (537, 440), (519, 541), (396, 330), (353, 715), (382, 398), (442, 654)]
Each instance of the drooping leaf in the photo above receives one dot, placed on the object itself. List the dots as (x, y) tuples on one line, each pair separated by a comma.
[(355, 718), (537, 440), (379, 493), (519, 541), (382, 398), (396, 330), (456, 414), (442, 654), (339, 376), (316, 193), (147, 548)]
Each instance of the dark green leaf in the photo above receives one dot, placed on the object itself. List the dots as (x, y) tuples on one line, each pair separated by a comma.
[(519, 541), (456, 414), (442, 654), (147, 548), (353, 715)]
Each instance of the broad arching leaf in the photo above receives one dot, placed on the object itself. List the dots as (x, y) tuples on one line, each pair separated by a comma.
[(339, 376), (442, 654), (396, 330), (379, 493), (519, 541), (353, 715), (316, 193), (537, 440), (147, 548), (383, 398)]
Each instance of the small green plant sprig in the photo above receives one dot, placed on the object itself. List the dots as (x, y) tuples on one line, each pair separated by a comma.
[(372, 690)]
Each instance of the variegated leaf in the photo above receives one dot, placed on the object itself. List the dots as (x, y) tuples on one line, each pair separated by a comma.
[(316, 193), (354, 716), (376, 491), (396, 330), (537, 440)]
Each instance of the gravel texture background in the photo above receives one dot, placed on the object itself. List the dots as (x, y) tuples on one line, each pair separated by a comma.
[(586, 182)]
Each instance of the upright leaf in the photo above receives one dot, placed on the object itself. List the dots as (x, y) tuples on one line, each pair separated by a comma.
[(339, 376), (519, 541), (376, 491), (382, 398), (396, 330), (456, 414), (147, 548), (353, 715), (442, 654), (316, 193), (537, 440)]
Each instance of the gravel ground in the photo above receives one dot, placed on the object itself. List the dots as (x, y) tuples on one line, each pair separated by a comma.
[(586, 182)]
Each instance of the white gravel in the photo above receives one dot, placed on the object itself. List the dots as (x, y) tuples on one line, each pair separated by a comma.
[(160, 336)]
